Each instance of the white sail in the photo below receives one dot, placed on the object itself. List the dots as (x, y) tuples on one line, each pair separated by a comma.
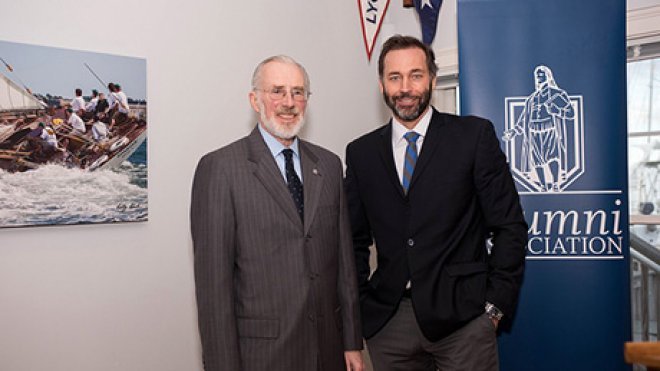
[(14, 97)]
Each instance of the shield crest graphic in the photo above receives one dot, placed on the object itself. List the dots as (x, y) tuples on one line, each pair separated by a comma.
[(544, 136)]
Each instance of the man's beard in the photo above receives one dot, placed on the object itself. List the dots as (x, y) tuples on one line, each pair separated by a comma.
[(281, 131), (412, 113)]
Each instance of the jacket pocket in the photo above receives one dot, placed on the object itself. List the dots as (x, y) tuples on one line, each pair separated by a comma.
[(258, 328), (466, 269), (466, 289)]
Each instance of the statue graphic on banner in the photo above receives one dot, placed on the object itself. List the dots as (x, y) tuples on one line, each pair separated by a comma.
[(545, 153)]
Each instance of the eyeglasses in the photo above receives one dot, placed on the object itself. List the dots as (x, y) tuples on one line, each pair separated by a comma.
[(279, 93)]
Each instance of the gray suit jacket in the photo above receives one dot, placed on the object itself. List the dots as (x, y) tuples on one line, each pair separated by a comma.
[(272, 293)]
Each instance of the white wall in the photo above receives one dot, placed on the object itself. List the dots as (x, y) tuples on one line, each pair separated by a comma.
[(637, 4), (121, 297)]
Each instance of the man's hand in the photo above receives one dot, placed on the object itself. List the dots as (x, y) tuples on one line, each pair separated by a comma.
[(353, 360), (495, 323)]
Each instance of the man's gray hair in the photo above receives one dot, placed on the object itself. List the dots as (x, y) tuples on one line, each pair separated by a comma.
[(256, 76)]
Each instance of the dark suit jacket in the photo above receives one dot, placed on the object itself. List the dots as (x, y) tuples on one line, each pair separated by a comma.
[(272, 293), (461, 193)]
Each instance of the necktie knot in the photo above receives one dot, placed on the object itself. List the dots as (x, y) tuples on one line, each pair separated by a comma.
[(411, 137), (288, 154)]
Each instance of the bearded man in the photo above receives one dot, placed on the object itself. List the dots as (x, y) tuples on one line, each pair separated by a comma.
[(274, 265), (430, 190)]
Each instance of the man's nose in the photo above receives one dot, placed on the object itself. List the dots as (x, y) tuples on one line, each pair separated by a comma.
[(405, 84), (288, 99)]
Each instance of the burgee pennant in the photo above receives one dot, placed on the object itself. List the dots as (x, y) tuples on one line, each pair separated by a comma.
[(428, 11), (372, 13)]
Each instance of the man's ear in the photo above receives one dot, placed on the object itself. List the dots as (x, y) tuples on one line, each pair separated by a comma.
[(254, 101)]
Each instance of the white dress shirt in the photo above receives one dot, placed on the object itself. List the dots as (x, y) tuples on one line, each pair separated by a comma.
[(399, 143), (276, 148)]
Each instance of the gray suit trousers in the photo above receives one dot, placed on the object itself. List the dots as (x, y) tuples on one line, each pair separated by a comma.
[(401, 346)]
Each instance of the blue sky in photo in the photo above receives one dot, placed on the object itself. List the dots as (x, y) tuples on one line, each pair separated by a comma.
[(57, 71)]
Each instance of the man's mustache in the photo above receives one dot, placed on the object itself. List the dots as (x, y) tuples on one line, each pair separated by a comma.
[(288, 110), (406, 95)]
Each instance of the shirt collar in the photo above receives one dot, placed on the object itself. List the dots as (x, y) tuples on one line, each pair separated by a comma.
[(398, 130), (274, 146)]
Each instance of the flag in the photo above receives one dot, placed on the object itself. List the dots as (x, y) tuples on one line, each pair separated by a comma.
[(428, 11), (372, 13)]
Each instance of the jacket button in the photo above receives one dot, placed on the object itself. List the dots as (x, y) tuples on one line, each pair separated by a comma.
[(411, 242)]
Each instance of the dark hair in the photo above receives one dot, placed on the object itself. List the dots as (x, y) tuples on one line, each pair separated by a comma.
[(399, 42), (78, 92)]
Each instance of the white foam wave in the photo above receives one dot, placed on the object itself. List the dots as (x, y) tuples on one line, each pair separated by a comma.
[(53, 194)]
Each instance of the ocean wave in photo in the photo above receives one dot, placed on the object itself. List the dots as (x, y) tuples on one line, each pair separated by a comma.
[(53, 194)]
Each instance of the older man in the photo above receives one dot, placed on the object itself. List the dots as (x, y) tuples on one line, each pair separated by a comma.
[(274, 265)]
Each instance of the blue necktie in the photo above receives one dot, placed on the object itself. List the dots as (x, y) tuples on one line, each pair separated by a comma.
[(410, 159), (293, 182)]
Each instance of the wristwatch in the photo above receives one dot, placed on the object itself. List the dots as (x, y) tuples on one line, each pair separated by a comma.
[(493, 312)]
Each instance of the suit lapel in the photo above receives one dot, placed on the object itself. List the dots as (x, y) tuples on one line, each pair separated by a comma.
[(312, 182), (387, 156), (431, 143), (269, 175)]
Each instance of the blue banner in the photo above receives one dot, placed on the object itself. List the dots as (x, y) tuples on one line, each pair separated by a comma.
[(551, 75)]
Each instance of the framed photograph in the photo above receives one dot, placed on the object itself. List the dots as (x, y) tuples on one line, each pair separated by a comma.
[(73, 137)]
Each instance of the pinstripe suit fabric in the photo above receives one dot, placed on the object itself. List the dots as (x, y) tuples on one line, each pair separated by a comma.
[(272, 293)]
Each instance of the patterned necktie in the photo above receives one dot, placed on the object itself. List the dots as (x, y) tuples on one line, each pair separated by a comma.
[(410, 159), (293, 182)]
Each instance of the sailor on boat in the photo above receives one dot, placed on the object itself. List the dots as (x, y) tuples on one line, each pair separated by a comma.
[(99, 130), (78, 103), (77, 124), (119, 107), (48, 136), (91, 105), (102, 105)]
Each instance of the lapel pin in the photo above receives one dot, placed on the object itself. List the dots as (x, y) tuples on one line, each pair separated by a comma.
[(315, 171)]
